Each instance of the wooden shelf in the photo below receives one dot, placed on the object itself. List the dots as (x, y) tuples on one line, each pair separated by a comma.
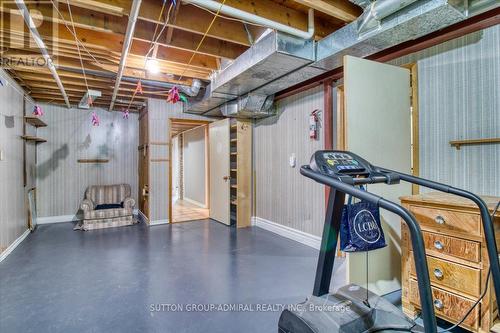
[(234, 153), (459, 143), (95, 160), (35, 139), (233, 140), (34, 121), (234, 186)]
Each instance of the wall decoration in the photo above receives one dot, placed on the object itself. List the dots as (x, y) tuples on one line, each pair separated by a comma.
[(95, 119), (173, 95), (37, 111), (125, 113), (138, 89)]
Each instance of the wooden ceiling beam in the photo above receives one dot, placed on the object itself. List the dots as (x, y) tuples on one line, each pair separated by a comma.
[(278, 12), (341, 9), (227, 30), (184, 40), (100, 22), (107, 42)]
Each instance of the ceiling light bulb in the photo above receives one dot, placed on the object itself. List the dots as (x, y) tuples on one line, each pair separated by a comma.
[(152, 66)]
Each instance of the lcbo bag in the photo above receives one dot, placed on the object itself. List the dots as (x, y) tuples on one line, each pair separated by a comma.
[(360, 227)]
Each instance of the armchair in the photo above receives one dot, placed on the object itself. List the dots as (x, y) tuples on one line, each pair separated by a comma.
[(107, 206)]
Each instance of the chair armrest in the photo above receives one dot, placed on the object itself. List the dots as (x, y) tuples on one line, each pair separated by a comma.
[(128, 203), (87, 205)]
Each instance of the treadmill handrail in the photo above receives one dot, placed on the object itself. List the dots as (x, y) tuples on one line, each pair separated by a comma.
[(424, 284), (488, 228)]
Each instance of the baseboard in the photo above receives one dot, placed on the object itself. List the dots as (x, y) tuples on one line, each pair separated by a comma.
[(12, 246), (58, 219), (294, 234), (194, 202), (158, 222)]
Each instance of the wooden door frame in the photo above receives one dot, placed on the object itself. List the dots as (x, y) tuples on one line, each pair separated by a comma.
[(144, 147), (207, 160)]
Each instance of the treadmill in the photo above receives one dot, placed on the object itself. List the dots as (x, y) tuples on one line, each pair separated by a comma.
[(352, 309)]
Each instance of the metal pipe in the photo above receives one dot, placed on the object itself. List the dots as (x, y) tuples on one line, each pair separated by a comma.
[(248, 17), (43, 49), (379, 10), (193, 90), (134, 13)]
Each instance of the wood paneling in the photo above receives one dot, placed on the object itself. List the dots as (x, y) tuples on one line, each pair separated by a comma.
[(459, 97), (282, 194), (61, 180), (13, 219)]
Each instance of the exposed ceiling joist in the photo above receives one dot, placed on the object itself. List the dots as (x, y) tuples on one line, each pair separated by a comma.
[(343, 10)]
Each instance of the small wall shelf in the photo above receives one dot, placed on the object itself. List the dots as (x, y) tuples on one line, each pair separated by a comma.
[(95, 160), (458, 143), (34, 121), (35, 139)]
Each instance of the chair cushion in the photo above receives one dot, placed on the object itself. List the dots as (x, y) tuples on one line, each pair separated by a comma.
[(107, 213), (108, 206)]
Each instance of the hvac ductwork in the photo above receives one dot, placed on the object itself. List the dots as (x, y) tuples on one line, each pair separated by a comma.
[(273, 57), (279, 61), (249, 106)]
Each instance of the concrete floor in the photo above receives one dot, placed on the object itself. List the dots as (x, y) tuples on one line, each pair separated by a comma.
[(60, 280)]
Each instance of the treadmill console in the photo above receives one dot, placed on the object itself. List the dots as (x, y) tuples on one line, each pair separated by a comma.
[(349, 168), (339, 163)]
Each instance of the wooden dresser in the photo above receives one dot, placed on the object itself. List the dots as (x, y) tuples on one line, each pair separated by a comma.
[(456, 256)]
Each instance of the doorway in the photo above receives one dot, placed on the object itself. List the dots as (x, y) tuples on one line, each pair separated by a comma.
[(189, 170)]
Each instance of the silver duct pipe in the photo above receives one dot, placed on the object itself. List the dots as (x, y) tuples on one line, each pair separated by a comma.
[(43, 49), (134, 13), (379, 10), (195, 87), (252, 18), (193, 90)]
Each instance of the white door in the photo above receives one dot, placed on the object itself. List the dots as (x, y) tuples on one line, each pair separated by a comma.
[(378, 118), (219, 171)]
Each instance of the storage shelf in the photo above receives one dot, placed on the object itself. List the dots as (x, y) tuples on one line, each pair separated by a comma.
[(35, 121), (35, 139), (95, 160), (458, 143)]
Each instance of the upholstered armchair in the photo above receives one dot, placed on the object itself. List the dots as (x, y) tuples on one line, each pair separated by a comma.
[(107, 206)]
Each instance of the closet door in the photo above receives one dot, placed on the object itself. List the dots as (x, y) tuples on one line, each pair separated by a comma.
[(378, 128), (219, 171)]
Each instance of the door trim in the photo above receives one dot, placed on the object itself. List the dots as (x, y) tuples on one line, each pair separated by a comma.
[(207, 159)]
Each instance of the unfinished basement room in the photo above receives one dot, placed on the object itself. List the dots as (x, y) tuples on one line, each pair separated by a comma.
[(232, 166)]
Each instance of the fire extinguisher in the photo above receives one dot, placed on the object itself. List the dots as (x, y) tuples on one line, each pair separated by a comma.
[(313, 124)]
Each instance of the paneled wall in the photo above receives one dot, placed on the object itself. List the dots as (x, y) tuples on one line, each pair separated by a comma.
[(61, 180), (194, 165), (159, 112), (459, 97), (282, 194), (13, 216)]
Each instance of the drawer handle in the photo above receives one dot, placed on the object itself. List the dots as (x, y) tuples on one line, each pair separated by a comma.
[(438, 273), (439, 219), (438, 245), (438, 304)]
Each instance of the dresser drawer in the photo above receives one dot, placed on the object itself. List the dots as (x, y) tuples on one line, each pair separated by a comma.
[(451, 276), (447, 305), (444, 220), (437, 244)]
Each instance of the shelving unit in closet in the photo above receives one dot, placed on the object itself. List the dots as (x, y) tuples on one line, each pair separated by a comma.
[(241, 172)]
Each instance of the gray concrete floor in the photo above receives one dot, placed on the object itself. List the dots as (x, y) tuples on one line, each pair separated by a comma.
[(60, 280)]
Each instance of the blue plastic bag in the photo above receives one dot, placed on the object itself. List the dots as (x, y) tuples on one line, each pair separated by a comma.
[(360, 227)]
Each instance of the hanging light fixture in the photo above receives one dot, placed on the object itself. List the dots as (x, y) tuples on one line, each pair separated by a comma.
[(152, 65)]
